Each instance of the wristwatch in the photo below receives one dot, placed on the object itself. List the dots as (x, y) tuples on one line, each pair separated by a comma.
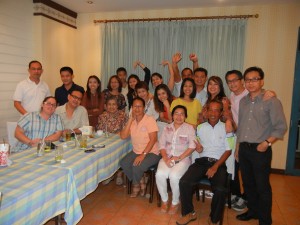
[(269, 143), (145, 153)]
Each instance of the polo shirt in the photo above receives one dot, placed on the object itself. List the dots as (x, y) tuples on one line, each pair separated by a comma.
[(202, 96), (79, 118), (61, 93), (235, 103), (31, 95), (139, 133)]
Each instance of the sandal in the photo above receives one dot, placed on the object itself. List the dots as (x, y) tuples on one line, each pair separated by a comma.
[(173, 209), (135, 190), (143, 186), (164, 207)]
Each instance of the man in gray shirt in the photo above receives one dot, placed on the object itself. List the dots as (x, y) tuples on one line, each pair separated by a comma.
[(261, 123)]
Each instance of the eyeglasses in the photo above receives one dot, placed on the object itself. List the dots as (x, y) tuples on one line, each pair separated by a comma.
[(233, 80), (50, 104), (253, 80), (76, 98)]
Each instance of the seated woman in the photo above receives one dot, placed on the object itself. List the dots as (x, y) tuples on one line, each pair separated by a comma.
[(176, 145), (143, 132), (35, 126), (92, 98), (112, 119)]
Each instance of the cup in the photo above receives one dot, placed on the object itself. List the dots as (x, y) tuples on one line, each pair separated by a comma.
[(4, 153), (59, 153), (40, 149), (83, 141), (68, 135), (47, 147), (92, 134)]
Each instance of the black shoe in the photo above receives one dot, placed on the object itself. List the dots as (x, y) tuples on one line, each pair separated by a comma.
[(245, 216)]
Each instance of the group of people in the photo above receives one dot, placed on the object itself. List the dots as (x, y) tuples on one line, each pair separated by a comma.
[(182, 128)]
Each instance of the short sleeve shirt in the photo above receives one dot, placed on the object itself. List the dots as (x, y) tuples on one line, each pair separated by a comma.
[(79, 118), (139, 133), (35, 126), (31, 95), (61, 93)]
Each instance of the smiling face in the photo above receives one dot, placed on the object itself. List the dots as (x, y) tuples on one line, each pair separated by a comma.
[(74, 99), (162, 95), (235, 84), (123, 76), (200, 78), (66, 77), (188, 88), (156, 80), (132, 82), (213, 88), (114, 84), (179, 116), (112, 106), (214, 112), (142, 93), (49, 106), (138, 108), (93, 84)]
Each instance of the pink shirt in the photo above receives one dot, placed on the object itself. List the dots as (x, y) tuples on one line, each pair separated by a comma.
[(140, 134), (235, 103), (176, 142)]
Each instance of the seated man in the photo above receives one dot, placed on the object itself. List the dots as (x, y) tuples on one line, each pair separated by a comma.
[(62, 92), (214, 151), (35, 126), (72, 113)]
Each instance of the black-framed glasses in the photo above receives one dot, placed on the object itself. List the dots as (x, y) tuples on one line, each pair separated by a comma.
[(253, 80), (50, 104), (76, 98)]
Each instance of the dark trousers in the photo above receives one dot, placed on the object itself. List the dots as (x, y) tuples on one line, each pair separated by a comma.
[(218, 183), (255, 168)]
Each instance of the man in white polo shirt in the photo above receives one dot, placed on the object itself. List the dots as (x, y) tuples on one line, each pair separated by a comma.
[(31, 92)]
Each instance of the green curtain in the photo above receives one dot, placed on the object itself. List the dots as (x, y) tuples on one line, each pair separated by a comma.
[(219, 45)]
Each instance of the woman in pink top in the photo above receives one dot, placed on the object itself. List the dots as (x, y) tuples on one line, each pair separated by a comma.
[(143, 132), (176, 145)]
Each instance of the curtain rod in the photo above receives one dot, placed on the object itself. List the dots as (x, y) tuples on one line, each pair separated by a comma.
[(178, 18)]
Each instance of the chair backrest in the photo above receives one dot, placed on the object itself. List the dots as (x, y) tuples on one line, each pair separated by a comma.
[(11, 127)]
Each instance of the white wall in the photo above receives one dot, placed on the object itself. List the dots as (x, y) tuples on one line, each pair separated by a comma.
[(17, 38)]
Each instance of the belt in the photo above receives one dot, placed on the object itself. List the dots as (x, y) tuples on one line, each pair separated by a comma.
[(249, 144), (210, 159)]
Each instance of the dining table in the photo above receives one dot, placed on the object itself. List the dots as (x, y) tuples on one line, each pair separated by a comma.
[(37, 188)]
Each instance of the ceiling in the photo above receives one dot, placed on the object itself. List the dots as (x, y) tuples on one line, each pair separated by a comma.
[(81, 6)]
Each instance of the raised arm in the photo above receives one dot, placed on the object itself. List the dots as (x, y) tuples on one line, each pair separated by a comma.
[(171, 73), (146, 70), (175, 59), (194, 59)]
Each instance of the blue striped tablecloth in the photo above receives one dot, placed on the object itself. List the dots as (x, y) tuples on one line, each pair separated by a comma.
[(33, 194), (86, 169)]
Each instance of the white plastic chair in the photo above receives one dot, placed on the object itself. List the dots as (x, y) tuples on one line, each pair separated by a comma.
[(11, 127)]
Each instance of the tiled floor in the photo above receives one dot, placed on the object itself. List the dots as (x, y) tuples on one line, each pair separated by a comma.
[(111, 205)]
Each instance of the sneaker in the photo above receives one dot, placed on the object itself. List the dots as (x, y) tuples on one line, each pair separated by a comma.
[(234, 199), (209, 194), (106, 182), (186, 219), (240, 205)]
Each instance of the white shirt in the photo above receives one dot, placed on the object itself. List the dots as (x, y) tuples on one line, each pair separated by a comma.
[(213, 140), (177, 86), (79, 118), (31, 95), (202, 96), (235, 104), (150, 109)]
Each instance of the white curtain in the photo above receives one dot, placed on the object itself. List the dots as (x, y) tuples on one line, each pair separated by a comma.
[(219, 45)]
